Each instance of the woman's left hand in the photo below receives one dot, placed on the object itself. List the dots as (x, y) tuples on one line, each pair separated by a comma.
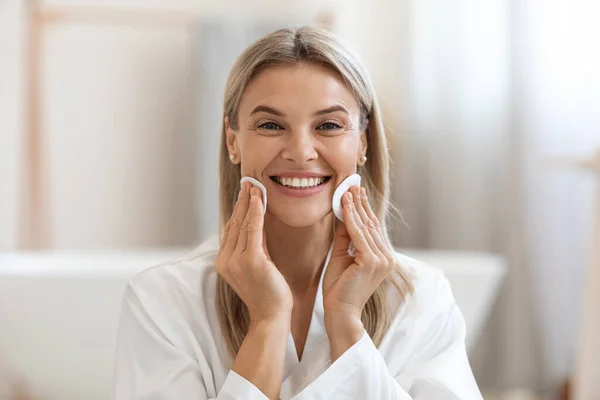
[(349, 280)]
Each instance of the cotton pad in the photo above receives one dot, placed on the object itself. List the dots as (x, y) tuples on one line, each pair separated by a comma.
[(259, 185), (336, 203)]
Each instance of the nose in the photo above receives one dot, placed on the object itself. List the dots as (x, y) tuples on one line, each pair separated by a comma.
[(300, 147)]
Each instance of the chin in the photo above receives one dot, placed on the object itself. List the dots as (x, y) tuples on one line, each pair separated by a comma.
[(301, 218)]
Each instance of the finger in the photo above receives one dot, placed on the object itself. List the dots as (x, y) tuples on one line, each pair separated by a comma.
[(237, 218), (375, 226), (255, 224), (353, 225), (371, 232), (265, 247), (341, 240), (243, 235), (358, 205), (341, 244), (233, 213), (224, 236), (369, 210), (365, 229)]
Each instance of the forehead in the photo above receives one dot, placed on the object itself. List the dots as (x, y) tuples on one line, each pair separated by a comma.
[(302, 87)]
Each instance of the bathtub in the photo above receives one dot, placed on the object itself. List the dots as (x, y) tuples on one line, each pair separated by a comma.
[(59, 312)]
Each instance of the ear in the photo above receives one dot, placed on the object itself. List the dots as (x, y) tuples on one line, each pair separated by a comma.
[(362, 147), (232, 142)]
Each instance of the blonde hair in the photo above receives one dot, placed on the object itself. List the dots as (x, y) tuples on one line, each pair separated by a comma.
[(292, 46)]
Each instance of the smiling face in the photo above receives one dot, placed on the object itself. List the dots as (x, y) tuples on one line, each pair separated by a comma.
[(299, 134)]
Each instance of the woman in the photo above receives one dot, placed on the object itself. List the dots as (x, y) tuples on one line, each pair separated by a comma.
[(281, 305)]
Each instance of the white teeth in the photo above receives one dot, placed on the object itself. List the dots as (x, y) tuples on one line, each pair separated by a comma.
[(299, 182)]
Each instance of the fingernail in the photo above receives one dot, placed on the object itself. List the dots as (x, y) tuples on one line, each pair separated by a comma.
[(349, 196), (363, 192)]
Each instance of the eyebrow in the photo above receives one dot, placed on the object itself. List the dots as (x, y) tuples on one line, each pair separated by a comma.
[(274, 111), (267, 109), (337, 107)]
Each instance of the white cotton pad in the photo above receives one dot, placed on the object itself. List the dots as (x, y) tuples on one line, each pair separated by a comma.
[(336, 203), (259, 185)]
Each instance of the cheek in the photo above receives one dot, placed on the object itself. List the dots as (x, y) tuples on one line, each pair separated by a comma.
[(341, 156), (257, 153)]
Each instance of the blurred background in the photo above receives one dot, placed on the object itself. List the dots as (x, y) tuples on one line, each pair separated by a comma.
[(110, 115)]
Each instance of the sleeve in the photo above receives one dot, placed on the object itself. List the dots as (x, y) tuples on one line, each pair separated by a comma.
[(149, 367), (434, 361)]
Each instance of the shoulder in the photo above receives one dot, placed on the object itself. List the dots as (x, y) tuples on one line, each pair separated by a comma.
[(182, 283), (429, 306), (425, 319), (426, 280), (171, 307), (422, 285)]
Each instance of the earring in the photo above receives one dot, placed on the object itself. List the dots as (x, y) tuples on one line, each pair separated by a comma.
[(363, 159), (231, 157)]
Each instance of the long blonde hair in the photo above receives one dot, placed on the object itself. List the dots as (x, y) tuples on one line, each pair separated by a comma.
[(292, 46)]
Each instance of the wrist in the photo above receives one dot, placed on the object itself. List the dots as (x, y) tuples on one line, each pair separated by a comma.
[(343, 332), (343, 325), (279, 321), (340, 320)]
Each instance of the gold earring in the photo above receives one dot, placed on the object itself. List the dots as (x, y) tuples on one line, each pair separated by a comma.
[(231, 157)]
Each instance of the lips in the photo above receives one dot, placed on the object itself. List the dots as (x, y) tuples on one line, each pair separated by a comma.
[(300, 191), (296, 182)]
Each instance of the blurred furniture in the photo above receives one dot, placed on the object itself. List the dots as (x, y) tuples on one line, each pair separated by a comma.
[(59, 311), (475, 278), (59, 315)]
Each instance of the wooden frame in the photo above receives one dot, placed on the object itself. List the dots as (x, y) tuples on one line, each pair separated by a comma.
[(586, 371), (587, 366), (34, 217)]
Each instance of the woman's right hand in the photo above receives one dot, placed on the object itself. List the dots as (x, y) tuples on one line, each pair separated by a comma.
[(243, 261)]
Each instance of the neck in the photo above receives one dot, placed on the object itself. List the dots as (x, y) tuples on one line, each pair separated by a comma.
[(299, 253)]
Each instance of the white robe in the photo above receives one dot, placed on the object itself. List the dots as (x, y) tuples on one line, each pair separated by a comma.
[(170, 344)]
